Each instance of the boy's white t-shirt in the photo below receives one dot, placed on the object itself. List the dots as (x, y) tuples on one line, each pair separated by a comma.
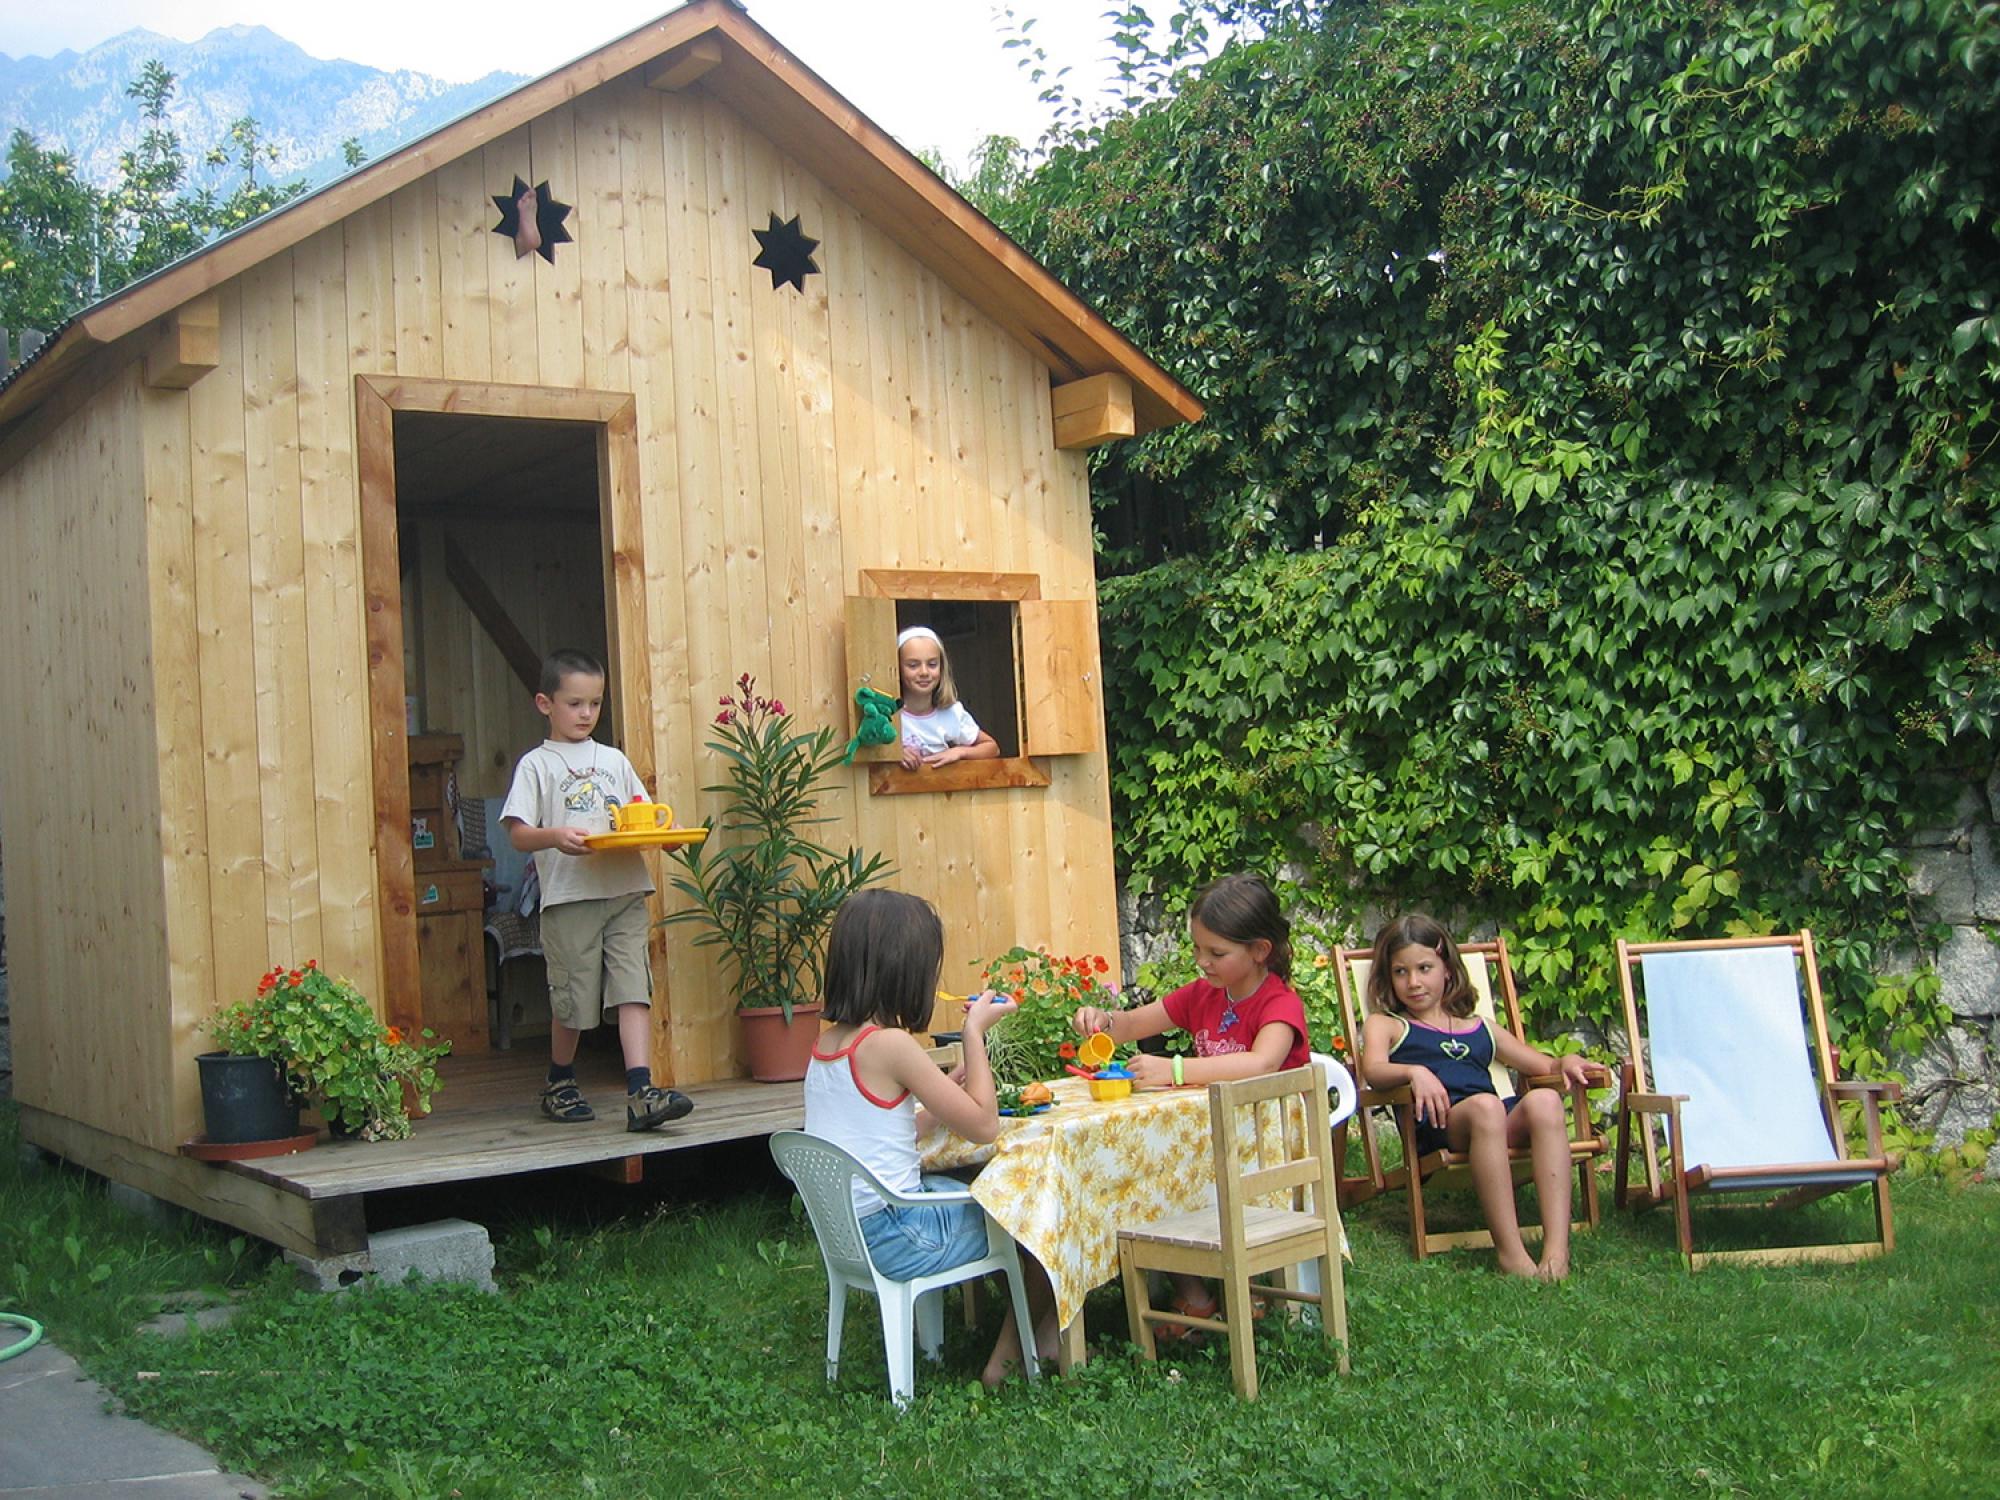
[(939, 729), (569, 784)]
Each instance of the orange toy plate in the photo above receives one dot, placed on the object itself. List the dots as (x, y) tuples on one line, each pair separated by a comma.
[(647, 838)]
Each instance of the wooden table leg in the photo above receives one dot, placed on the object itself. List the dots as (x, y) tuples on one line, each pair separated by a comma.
[(1069, 1345)]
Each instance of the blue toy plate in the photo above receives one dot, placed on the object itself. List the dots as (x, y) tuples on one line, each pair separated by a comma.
[(1033, 1109)]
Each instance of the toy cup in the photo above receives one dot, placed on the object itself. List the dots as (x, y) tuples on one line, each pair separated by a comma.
[(644, 817), (1111, 1083), (1095, 1050)]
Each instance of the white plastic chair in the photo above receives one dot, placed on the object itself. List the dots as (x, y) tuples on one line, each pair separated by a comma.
[(825, 1176), (1340, 1084)]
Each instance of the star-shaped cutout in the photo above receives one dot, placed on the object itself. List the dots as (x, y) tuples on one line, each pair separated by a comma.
[(786, 253), (532, 219)]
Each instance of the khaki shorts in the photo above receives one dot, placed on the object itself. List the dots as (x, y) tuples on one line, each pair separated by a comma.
[(596, 957)]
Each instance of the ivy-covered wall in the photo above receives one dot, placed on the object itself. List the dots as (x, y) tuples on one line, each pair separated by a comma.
[(1592, 531)]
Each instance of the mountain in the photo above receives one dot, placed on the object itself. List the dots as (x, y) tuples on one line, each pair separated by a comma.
[(305, 106)]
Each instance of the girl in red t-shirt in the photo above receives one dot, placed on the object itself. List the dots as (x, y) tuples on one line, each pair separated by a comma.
[(1244, 1018)]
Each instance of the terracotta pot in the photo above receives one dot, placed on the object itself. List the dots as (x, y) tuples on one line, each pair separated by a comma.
[(777, 1052)]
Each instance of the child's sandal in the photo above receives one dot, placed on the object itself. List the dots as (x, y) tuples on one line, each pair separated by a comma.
[(1174, 1333)]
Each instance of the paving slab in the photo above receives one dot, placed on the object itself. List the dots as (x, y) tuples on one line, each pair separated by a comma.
[(61, 1438)]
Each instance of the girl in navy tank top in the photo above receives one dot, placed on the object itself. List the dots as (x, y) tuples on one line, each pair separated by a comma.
[(1421, 1034)]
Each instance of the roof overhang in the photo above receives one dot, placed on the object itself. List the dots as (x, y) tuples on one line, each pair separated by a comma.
[(710, 45)]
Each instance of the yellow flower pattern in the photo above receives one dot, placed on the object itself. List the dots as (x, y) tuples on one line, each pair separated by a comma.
[(1062, 1182)]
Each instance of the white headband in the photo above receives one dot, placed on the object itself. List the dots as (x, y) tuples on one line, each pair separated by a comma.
[(917, 630)]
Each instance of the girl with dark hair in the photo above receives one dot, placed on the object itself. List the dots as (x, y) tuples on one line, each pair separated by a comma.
[(868, 1075), (1244, 1018), (1421, 1033)]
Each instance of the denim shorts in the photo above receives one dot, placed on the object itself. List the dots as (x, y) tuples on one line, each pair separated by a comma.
[(909, 1242)]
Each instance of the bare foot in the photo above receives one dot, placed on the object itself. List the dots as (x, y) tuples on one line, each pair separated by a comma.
[(1554, 1269), (1048, 1337), (1518, 1265)]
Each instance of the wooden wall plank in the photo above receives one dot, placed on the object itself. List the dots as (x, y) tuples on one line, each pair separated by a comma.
[(557, 283), (653, 190), (600, 230), (335, 673), (176, 683), (466, 217), (512, 313), (417, 266), (368, 238), (237, 879), (278, 614)]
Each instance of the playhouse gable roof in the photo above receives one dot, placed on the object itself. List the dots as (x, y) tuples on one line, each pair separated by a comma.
[(711, 45)]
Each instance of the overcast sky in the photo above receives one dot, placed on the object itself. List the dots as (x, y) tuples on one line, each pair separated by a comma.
[(930, 72)]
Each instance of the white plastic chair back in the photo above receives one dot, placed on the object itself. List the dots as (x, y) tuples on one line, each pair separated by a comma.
[(1726, 1027), (911, 1310), (1340, 1084)]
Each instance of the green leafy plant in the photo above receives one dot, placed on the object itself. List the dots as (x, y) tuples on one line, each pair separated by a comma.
[(1036, 1040), (363, 1076), (767, 893)]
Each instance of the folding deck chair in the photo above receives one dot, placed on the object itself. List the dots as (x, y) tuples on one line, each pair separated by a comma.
[(1747, 1096), (1445, 1168)]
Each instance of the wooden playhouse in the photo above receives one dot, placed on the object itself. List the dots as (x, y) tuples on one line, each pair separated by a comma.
[(766, 389)]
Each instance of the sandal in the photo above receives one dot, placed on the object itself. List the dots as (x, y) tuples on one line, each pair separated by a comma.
[(1174, 1333)]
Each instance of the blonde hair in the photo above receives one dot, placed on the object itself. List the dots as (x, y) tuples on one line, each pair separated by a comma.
[(946, 692)]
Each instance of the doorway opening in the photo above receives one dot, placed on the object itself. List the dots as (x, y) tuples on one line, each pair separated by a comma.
[(499, 523)]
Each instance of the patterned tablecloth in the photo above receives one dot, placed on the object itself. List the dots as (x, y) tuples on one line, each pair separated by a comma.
[(1064, 1181)]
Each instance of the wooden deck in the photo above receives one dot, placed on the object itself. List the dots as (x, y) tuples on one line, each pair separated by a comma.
[(486, 1124)]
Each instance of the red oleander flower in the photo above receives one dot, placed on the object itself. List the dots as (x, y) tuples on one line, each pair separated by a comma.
[(777, 707)]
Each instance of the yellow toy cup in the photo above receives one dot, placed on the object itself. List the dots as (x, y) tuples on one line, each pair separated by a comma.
[(1112, 1083), (643, 817), (1095, 1050)]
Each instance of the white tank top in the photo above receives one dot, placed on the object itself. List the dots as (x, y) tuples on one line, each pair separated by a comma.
[(879, 1133)]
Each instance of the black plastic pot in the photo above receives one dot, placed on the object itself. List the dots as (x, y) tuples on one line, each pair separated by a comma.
[(245, 1099)]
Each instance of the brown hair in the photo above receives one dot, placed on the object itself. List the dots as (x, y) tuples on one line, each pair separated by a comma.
[(1415, 930), (1243, 909), (882, 961), (566, 663)]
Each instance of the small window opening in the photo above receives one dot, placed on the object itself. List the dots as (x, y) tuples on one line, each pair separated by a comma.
[(981, 641)]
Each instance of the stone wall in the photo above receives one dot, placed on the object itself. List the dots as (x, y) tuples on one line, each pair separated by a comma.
[(1955, 1081)]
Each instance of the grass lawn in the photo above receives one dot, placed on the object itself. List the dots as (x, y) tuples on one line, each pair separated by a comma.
[(668, 1342)]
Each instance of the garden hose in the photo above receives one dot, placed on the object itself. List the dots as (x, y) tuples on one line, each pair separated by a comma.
[(21, 1346)]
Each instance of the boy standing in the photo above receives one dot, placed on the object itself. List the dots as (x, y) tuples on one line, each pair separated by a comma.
[(593, 905)]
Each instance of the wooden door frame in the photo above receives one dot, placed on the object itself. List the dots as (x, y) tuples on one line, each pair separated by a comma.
[(377, 399)]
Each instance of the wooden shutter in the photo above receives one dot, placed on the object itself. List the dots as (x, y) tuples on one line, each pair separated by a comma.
[(1062, 701), (871, 661)]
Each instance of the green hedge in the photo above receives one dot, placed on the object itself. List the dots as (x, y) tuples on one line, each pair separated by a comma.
[(1593, 525)]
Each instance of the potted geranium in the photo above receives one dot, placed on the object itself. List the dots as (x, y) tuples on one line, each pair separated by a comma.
[(765, 892), (364, 1077)]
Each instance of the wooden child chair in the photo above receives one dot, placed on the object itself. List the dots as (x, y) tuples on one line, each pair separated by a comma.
[(1256, 1156), (1445, 1168), (1748, 1096)]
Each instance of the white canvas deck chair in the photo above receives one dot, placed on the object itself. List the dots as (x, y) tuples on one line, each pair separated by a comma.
[(1746, 1093)]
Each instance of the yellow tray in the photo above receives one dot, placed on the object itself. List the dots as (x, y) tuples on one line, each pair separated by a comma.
[(647, 838)]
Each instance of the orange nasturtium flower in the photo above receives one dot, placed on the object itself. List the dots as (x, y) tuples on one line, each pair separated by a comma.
[(395, 1036), (1340, 1044), (1066, 1051), (1102, 966)]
